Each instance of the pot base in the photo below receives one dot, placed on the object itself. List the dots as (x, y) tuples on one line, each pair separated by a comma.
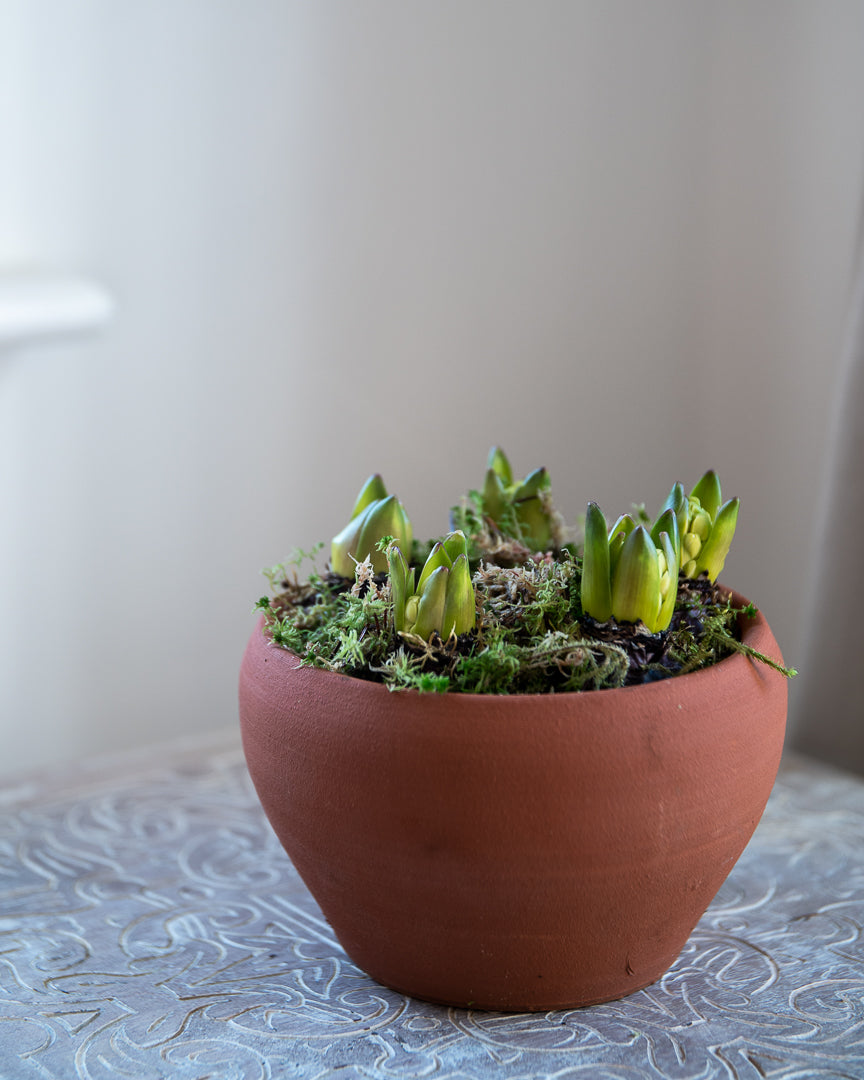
[(526, 1002)]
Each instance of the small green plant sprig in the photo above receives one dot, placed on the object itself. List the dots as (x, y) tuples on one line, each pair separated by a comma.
[(639, 602)]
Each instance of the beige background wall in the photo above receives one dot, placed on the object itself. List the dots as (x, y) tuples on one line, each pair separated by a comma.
[(615, 237)]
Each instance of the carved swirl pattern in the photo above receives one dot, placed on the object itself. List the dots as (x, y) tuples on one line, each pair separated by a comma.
[(151, 927)]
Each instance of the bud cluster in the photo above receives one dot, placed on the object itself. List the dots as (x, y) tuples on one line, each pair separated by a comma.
[(631, 573), (443, 599)]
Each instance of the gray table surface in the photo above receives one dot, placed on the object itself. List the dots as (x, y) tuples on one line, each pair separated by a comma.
[(151, 926)]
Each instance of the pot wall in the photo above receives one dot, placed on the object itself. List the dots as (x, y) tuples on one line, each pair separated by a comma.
[(514, 853)]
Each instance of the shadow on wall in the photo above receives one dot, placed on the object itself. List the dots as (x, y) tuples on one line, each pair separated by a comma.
[(828, 719)]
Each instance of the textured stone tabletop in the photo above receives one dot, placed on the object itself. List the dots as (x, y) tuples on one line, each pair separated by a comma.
[(151, 926)]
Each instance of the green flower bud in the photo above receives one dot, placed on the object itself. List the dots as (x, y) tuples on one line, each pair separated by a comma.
[(375, 516), (707, 533), (702, 547)]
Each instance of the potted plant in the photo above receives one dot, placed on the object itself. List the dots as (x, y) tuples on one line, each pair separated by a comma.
[(514, 770)]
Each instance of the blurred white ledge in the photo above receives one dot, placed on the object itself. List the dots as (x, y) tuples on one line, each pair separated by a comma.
[(36, 306)]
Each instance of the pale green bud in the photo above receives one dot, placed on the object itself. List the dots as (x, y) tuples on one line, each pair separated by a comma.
[(375, 519)]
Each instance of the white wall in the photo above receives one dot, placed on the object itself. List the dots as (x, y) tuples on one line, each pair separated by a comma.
[(613, 236)]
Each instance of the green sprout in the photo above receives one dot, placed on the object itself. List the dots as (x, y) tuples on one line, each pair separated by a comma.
[(375, 515), (521, 507), (443, 598), (706, 526), (629, 573)]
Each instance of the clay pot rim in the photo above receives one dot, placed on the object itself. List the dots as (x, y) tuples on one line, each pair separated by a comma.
[(755, 633)]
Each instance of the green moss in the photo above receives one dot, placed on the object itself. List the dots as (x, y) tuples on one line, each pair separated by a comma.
[(531, 634)]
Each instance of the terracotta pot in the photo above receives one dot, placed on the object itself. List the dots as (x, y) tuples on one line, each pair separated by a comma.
[(513, 853)]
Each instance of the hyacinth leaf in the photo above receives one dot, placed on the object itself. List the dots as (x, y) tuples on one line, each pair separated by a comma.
[(372, 491), (707, 491), (625, 525), (455, 544), (383, 518), (712, 556), (668, 523), (617, 536), (397, 569), (459, 607), (346, 541), (430, 609), (636, 581), (359, 539), (500, 465), (437, 557), (534, 524), (596, 586), (677, 502), (532, 485), (494, 497), (668, 582)]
